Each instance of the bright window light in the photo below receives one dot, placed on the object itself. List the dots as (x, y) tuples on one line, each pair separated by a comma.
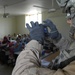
[(34, 18)]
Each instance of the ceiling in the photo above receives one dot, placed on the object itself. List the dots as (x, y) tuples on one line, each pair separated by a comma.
[(19, 7)]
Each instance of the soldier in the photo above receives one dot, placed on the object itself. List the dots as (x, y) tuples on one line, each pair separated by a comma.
[(28, 62)]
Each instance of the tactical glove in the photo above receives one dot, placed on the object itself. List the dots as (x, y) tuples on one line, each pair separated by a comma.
[(53, 34), (36, 31)]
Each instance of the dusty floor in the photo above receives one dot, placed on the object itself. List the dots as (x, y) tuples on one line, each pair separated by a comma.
[(5, 70)]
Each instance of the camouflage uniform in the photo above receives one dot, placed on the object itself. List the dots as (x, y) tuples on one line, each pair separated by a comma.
[(28, 61)]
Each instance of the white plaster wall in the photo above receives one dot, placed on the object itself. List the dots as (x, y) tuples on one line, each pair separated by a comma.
[(21, 25), (57, 17), (7, 26)]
